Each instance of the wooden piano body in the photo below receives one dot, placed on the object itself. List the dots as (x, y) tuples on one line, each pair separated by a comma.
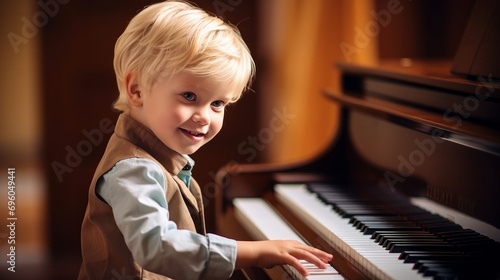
[(411, 131)]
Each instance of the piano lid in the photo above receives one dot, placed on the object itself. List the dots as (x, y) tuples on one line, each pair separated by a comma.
[(429, 73), (424, 95)]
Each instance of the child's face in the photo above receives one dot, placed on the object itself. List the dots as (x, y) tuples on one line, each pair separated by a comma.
[(185, 111)]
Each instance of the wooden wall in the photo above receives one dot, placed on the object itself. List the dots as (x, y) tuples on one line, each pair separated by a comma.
[(422, 29)]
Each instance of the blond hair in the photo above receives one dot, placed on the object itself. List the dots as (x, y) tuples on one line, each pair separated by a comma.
[(174, 36)]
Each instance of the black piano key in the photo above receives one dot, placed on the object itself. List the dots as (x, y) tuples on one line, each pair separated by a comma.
[(337, 200), (388, 242), (359, 219), (346, 212), (438, 255), (381, 233), (447, 277), (386, 239), (405, 254), (477, 247), (466, 239), (439, 267), (442, 227), (370, 229), (420, 264), (398, 246), (322, 188), (427, 219), (478, 239), (363, 225), (427, 216), (464, 272), (455, 233), (448, 273), (410, 210), (401, 247), (432, 222)]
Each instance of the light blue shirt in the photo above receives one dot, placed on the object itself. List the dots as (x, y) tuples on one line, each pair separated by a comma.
[(141, 213)]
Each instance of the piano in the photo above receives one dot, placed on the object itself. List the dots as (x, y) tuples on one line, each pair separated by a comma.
[(409, 188)]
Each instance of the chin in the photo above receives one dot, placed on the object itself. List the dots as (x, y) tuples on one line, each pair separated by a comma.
[(189, 151)]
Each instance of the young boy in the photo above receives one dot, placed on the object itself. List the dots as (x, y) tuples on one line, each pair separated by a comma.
[(177, 68)]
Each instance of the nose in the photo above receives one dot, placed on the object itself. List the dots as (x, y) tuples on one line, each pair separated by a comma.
[(202, 116)]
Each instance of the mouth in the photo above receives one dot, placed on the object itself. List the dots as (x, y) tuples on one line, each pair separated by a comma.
[(193, 134)]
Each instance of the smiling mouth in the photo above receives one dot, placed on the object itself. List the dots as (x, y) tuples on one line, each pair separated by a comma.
[(195, 134)]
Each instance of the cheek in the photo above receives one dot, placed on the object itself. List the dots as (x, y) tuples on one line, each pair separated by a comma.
[(178, 116), (216, 123)]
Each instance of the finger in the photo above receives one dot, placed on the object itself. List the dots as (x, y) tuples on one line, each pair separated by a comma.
[(324, 256), (314, 256), (316, 261), (298, 266)]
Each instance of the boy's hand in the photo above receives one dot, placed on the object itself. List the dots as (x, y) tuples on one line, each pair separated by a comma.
[(270, 253)]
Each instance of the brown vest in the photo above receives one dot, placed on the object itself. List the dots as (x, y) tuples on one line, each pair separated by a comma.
[(105, 254)]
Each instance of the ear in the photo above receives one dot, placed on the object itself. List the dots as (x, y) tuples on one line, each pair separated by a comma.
[(134, 93)]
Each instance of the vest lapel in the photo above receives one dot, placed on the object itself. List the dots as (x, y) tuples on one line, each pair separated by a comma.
[(187, 194), (195, 189)]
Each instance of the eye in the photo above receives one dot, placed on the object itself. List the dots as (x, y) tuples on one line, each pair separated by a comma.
[(189, 96), (219, 104)]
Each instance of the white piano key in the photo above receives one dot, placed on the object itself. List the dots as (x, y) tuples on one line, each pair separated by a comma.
[(368, 255), (264, 223)]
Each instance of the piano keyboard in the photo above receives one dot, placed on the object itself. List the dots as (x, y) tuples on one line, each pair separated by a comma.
[(263, 223), (386, 246)]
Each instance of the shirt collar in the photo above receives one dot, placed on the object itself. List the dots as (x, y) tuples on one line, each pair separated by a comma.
[(185, 173), (190, 163)]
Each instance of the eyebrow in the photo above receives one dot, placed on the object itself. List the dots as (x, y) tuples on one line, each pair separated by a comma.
[(227, 99)]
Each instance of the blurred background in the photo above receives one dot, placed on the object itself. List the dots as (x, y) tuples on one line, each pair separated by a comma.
[(57, 86)]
